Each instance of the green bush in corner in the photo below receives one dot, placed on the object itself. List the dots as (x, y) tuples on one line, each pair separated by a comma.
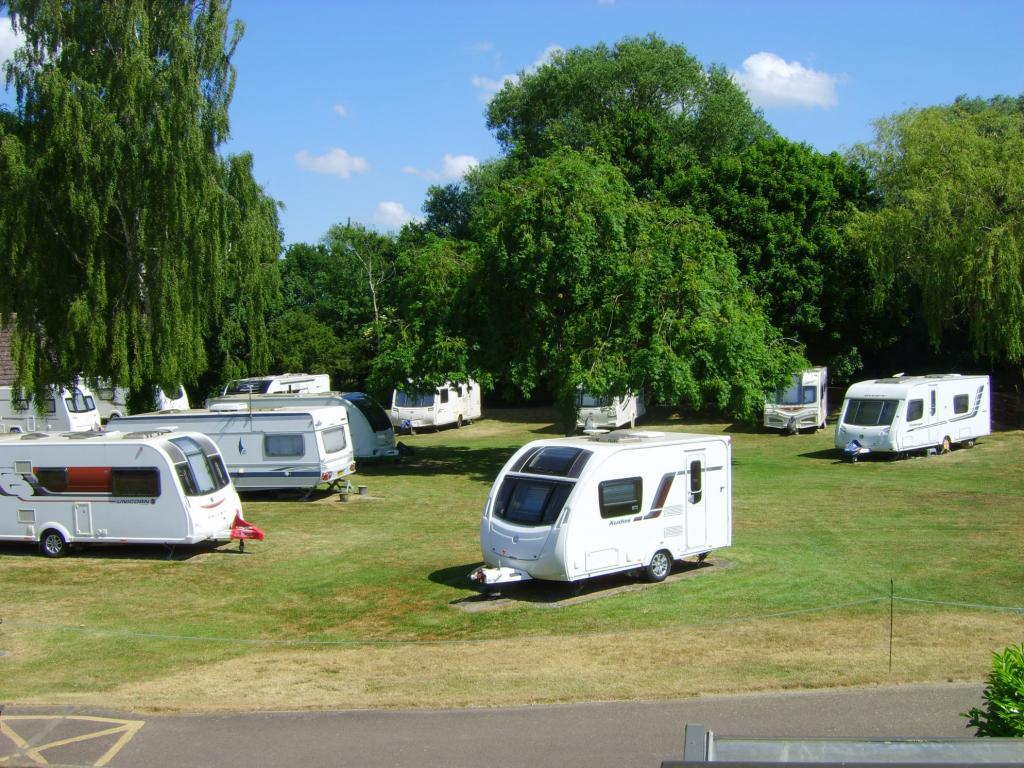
[(1003, 714)]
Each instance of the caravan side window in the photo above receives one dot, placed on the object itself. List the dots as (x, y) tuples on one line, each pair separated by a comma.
[(136, 482), (915, 410), (696, 481), (961, 403), (283, 445), (334, 439), (444, 394), (620, 497)]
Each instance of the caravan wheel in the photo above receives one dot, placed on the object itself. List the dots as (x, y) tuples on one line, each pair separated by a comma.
[(660, 567), (53, 544)]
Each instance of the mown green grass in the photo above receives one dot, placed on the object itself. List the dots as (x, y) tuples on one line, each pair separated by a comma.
[(388, 571)]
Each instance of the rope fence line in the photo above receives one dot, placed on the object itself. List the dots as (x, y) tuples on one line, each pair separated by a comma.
[(383, 642)]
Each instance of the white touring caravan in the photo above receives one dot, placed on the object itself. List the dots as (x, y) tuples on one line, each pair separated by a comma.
[(905, 414), (802, 405), (65, 410), (608, 412), (450, 403), (373, 437), (266, 449), (112, 402), (62, 490), (571, 508), (285, 382)]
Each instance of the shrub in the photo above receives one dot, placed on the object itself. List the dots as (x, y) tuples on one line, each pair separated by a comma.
[(1003, 714)]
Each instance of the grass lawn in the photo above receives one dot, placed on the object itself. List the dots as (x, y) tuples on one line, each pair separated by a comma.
[(362, 604)]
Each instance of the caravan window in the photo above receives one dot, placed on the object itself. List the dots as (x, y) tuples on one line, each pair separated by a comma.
[(50, 405), (557, 460), (696, 481), (444, 394), (915, 410), (797, 394), (79, 403), (248, 387), (405, 399), (334, 439), (586, 400), (620, 497), (961, 403), (278, 446), (135, 481), (531, 502), (870, 413), (202, 471)]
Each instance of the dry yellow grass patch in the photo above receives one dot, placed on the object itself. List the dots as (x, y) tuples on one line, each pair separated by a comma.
[(815, 652)]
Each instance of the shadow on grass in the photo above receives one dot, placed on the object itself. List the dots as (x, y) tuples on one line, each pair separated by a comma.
[(290, 494), (555, 593), (477, 463), (179, 552), (831, 455)]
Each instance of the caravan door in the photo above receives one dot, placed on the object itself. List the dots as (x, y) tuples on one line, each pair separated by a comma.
[(83, 519), (696, 500)]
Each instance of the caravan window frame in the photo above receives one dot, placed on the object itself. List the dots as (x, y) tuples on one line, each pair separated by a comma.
[(531, 501), (270, 449), (858, 409), (961, 404), (915, 409), (329, 437), (621, 497)]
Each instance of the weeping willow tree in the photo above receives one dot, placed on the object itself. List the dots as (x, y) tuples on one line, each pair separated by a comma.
[(129, 247)]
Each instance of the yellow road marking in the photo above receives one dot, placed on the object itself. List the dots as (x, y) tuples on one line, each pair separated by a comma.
[(127, 729)]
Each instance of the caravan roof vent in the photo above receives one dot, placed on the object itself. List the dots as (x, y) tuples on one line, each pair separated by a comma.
[(142, 433), (34, 435), (83, 435), (228, 407), (627, 436)]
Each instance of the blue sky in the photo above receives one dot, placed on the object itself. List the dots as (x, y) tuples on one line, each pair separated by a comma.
[(353, 109)]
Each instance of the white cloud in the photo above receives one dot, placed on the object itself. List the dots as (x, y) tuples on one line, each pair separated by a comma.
[(490, 86), (392, 215), (452, 167), (771, 81), (340, 109), (9, 40), (336, 162)]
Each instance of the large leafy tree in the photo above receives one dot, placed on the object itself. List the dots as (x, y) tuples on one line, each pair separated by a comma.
[(951, 225), (132, 246), (783, 207), (646, 105), (602, 290)]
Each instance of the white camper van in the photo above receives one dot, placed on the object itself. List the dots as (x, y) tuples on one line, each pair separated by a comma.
[(112, 402), (373, 437), (64, 410), (801, 405), (285, 382), (576, 507), (76, 488), (267, 449), (608, 412), (450, 403), (905, 414)]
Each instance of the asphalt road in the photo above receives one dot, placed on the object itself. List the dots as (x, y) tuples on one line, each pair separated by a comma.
[(611, 735)]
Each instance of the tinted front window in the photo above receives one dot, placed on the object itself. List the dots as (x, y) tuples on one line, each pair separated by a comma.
[(201, 473), (560, 461), (413, 399), (371, 409), (587, 400), (531, 502), (243, 387), (797, 394), (870, 413), (79, 403)]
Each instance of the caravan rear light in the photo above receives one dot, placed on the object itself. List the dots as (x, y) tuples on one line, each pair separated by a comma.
[(325, 476)]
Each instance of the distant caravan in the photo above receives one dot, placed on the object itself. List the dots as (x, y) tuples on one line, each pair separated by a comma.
[(608, 412), (801, 405), (285, 382), (451, 403), (914, 414), (112, 402), (63, 410)]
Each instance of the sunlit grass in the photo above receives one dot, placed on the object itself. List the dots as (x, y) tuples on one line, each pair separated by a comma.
[(360, 604)]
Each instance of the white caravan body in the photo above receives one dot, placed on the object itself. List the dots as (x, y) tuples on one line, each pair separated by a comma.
[(64, 410), (608, 412), (285, 382), (373, 437), (572, 508), (448, 404), (274, 448), (114, 488), (914, 413), (112, 402), (802, 405)]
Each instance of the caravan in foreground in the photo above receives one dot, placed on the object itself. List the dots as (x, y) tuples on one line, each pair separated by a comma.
[(904, 414), (573, 508), (802, 405), (62, 490), (267, 449)]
